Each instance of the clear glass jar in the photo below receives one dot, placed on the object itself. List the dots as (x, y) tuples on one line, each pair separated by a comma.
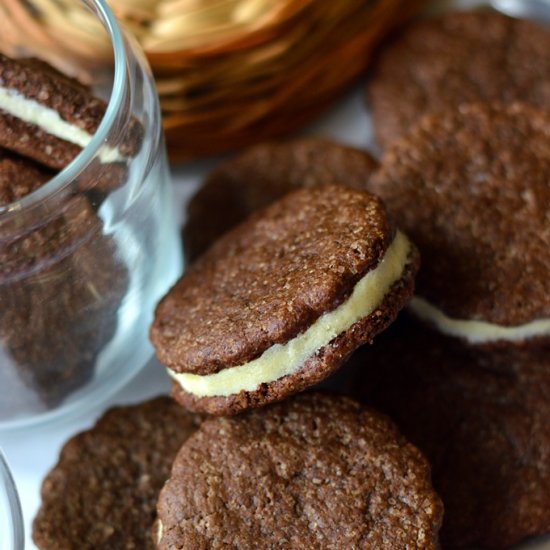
[(86, 256), (11, 519)]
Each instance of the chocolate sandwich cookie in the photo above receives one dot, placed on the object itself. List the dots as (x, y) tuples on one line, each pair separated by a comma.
[(102, 492), (315, 471), (278, 303), (457, 58), (481, 418), (50, 118), (471, 188), (61, 284), (260, 176)]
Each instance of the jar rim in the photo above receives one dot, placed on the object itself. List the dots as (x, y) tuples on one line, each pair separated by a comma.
[(66, 176)]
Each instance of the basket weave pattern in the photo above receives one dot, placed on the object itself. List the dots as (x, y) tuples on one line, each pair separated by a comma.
[(229, 72)]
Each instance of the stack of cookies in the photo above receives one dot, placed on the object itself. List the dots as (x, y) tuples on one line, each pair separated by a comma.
[(301, 253), (461, 106), (275, 305), (60, 280)]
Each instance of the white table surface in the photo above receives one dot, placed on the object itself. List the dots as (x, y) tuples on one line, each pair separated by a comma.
[(32, 452)]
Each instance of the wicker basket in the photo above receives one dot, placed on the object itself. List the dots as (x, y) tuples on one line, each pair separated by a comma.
[(229, 72)]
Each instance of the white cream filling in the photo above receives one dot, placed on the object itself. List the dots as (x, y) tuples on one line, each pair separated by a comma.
[(284, 359), (160, 531), (477, 332), (32, 112)]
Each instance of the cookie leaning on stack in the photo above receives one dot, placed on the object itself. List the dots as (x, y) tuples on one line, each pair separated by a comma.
[(279, 302)]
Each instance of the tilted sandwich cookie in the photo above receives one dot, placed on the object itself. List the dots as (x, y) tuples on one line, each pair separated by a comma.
[(472, 189), (278, 303), (102, 493), (261, 175), (456, 58), (50, 118), (315, 471)]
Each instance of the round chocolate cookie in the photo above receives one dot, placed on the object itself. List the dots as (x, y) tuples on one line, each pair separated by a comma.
[(481, 418), (313, 472), (103, 491), (457, 58), (472, 189), (260, 176), (279, 302)]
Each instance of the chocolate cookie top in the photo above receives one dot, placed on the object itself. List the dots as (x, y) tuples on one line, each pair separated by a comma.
[(457, 58), (481, 417), (102, 492), (315, 471), (263, 174), (471, 188), (270, 278)]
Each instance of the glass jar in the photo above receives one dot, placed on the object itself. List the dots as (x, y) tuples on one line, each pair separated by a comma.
[(85, 257), (11, 520)]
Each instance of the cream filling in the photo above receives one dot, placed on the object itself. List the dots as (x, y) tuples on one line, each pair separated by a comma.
[(48, 120), (477, 332), (160, 531), (284, 359)]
